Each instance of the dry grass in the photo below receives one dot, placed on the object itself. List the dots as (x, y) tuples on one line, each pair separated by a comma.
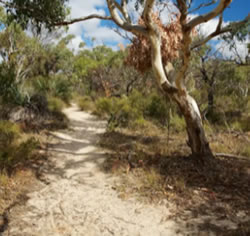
[(157, 167), (12, 186), (19, 179)]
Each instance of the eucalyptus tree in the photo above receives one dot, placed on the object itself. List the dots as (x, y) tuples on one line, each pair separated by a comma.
[(18, 54), (163, 42), (41, 13), (17, 51)]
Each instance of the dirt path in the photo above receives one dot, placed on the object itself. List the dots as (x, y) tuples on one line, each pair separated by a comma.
[(76, 197)]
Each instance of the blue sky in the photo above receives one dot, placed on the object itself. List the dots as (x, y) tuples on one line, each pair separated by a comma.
[(237, 10), (103, 34)]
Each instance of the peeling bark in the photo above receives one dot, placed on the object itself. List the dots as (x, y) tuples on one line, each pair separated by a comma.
[(197, 140)]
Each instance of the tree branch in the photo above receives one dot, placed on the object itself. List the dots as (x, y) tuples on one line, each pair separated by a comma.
[(186, 41), (223, 4), (226, 155), (156, 56), (125, 10), (149, 4), (220, 31), (93, 16), (203, 5), (136, 29)]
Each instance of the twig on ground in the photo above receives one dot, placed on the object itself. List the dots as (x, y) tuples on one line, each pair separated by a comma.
[(231, 156)]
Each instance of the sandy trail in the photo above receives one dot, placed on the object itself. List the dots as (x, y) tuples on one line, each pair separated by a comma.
[(78, 198)]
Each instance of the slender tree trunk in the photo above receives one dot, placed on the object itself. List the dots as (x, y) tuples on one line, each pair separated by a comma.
[(210, 99), (196, 135), (197, 140)]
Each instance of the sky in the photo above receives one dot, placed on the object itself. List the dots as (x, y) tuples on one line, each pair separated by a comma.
[(98, 32)]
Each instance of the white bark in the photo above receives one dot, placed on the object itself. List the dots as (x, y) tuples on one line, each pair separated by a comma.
[(223, 4), (123, 23)]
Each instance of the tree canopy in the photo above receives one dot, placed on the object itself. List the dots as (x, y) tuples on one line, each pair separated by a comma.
[(40, 12)]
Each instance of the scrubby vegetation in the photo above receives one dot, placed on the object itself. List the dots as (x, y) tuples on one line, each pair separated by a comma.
[(145, 131), (12, 150)]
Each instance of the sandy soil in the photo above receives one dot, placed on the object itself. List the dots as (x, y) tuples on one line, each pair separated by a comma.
[(76, 198)]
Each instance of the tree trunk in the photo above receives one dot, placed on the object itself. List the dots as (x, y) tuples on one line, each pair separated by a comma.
[(210, 96), (196, 135), (197, 140), (189, 108)]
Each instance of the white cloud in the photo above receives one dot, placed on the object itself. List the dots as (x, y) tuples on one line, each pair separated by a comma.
[(239, 52), (105, 35), (240, 49), (208, 27), (91, 28)]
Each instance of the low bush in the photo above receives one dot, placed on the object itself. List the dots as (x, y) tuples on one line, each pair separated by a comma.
[(39, 103), (85, 103), (177, 123), (13, 150), (120, 111), (157, 109), (133, 110), (56, 86), (61, 87), (245, 123), (8, 133), (55, 104), (104, 106)]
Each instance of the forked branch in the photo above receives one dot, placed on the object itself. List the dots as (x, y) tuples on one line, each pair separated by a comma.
[(220, 31)]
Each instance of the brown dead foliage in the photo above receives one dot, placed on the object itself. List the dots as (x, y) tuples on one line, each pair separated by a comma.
[(139, 55)]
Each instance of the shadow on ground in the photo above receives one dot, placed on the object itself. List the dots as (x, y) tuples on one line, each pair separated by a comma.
[(211, 198)]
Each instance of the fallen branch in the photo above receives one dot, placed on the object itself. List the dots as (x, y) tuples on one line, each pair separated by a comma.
[(231, 156)]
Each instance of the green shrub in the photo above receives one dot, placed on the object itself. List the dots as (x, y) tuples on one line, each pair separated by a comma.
[(8, 133), (62, 88), (39, 102), (41, 85), (56, 86), (119, 111), (157, 109), (138, 101), (236, 126), (177, 123), (55, 104), (104, 106), (12, 150), (140, 123), (242, 124), (133, 110), (217, 116), (85, 103), (10, 92), (245, 123)]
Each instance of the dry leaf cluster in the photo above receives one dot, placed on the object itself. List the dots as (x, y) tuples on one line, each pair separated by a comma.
[(139, 55)]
